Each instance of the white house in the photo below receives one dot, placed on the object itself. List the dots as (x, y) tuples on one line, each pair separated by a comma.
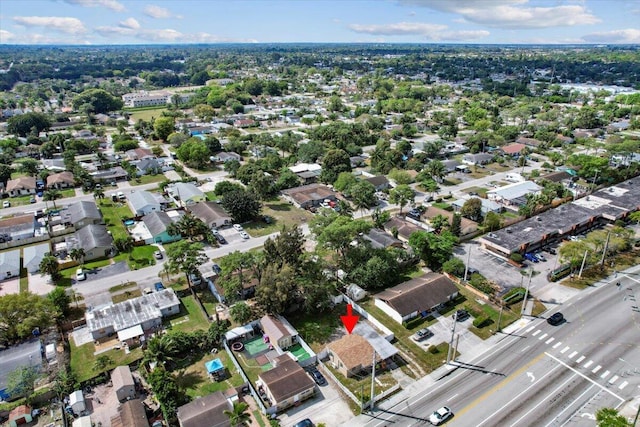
[(513, 194), (144, 202), (76, 402), (9, 264)]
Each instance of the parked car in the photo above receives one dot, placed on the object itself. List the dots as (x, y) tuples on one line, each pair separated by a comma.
[(540, 257), (415, 214), (244, 235), (195, 279), (461, 315), (80, 275), (440, 416), (238, 227), (530, 257), (157, 254), (32, 199), (318, 377), (6, 204), (555, 319), (422, 334), (220, 239), (216, 268), (471, 270), (304, 423), (158, 286)]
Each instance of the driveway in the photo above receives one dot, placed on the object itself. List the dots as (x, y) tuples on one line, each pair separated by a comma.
[(327, 406), (107, 271), (11, 286)]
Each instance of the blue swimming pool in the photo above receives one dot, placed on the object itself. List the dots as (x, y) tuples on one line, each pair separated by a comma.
[(129, 222)]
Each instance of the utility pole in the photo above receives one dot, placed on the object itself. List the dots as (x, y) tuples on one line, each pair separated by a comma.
[(526, 293), (500, 316), (466, 267), (373, 382), (604, 251), (584, 260), (453, 332)]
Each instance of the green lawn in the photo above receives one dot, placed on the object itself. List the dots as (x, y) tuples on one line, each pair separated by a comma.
[(145, 113), (281, 213), (195, 379), (126, 295), (147, 179), (141, 257), (113, 214), (190, 317), (70, 272), (83, 359), (317, 328)]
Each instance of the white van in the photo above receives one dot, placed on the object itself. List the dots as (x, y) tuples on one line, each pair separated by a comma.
[(514, 177), (121, 195)]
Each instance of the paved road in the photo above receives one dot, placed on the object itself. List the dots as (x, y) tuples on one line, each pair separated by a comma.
[(542, 375)]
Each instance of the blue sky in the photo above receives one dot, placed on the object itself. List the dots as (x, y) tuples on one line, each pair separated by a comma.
[(275, 21)]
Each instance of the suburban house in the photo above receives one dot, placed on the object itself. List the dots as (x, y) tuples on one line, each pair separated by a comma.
[(557, 176), (205, 411), (81, 214), (225, 156), (310, 195), (513, 150), (94, 239), (139, 314), (513, 195), (21, 186), (307, 172), (529, 142), (466, 225), (148, 166), (211, 214), (9, 264), (33, 255), (116, 173), (451, 165), (416, 297), (17, 228), (277, 333), (139, 154), (403, 227), (61, 180), (157, 223), (487, 206), (143, 202), (379, 182), (185, 193), (380, 239), (130, 414), (123, 385), (477, 159), (351, 354), (284, 385)]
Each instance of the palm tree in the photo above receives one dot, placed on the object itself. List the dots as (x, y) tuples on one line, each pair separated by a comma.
[(98, 193), (160, 350), (51, 195), (77, 254), (102, 363), (238, 416), (436, 169), (49, 265)]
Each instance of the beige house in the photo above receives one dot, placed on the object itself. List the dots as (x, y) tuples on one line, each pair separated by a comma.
[(130, 414), (351, 355), (285, 385), (123, 384), (61, 180), (211, 214), (21, 186), (278, 333)]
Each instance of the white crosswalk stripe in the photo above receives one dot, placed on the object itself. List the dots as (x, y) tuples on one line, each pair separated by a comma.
[(580, 359), (613, 379), (572, 355), (536, 332), (529, 329), (589, 363), (558, 344), (605, 374), (543, 336), (623, 385), (564, 350), (550, 340), (596, 369)]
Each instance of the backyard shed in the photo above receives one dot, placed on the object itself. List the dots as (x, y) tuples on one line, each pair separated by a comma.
[(76, 402), (123, 384), (20, 415), (82, 422)]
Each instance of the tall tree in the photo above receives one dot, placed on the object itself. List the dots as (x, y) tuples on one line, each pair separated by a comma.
[(433, 249), (22, 313), (163, 127), (472, 209), (285, 248), (52, 195), (238, 415), (77, 254), (401, 195), (242, 205), (333, 163), (186, 256), (49, 265)]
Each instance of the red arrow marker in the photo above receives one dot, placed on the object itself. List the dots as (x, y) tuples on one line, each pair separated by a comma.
[(349, 321)]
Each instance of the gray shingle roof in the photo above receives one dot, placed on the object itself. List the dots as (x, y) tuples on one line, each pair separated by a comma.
[(81, 210), (94, 236), (419, 294), (157, 222)]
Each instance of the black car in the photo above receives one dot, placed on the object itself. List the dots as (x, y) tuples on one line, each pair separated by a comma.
[(304, 423), (220, 239), (318, 377), (216, 268), (555, 319), (461, 315)]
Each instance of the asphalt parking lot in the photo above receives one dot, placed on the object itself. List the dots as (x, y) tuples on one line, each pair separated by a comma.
[(231, 235)]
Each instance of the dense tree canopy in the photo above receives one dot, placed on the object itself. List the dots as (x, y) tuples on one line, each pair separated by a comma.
[(96, 101), (23, 124), (243, 205), (21, 313)]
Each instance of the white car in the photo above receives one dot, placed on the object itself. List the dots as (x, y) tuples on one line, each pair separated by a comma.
[(238, 227), (440, 416), (244, 235), (6, 204), (80, 275)]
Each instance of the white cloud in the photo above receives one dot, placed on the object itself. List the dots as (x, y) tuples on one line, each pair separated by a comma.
[(626, 36), (35, 38), (511, 13), (435, 32), (109, 4), (158, 12), (129, 23), (63, 24), (166, 35), (6, 36)]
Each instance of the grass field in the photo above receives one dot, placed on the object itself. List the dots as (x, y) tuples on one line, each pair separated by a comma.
[(148, 179), (146, 114), (281, 213), (141, 256), (83, 359), (113, 214), (190, 317), (195, 379)]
